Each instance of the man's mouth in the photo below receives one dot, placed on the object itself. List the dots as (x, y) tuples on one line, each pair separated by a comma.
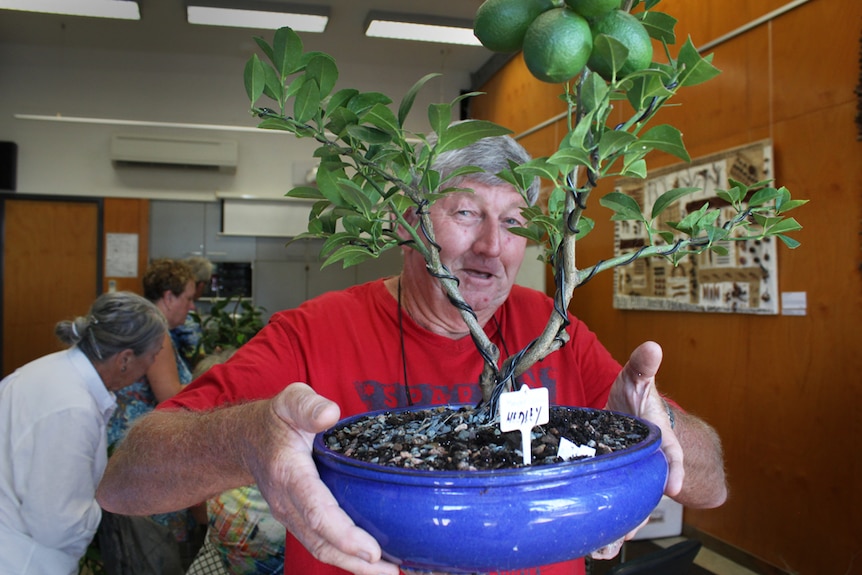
[(480, 274)]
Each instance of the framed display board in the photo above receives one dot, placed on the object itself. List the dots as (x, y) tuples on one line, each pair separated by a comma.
[(743, 281)]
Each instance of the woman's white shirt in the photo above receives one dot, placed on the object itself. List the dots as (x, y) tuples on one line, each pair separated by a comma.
[(53, 452)]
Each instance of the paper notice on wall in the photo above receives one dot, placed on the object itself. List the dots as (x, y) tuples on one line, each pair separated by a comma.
[(121, 255)]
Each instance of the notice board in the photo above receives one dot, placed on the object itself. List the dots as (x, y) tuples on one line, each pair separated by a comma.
[(743, 281)]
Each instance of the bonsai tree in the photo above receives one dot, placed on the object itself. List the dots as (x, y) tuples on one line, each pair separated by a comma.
[(373, 170)]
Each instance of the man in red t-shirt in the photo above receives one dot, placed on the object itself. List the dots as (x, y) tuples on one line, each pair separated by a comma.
[(392, 342)]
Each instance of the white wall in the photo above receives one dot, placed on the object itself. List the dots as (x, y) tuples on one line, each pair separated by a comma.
[(72, 158)]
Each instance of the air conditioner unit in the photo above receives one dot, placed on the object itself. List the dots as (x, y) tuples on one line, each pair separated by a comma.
[(173, 151)]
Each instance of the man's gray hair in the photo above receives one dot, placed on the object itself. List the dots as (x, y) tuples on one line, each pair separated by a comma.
[(492, 154)]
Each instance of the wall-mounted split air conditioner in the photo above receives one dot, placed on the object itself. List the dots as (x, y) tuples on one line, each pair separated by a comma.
[(135, 149)]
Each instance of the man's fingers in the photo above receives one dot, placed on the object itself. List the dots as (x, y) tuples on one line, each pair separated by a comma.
[(644, 362), (302, 407)]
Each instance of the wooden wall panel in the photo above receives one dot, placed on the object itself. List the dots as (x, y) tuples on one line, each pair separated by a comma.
[(129, 216), (49, 248), (782, 391)]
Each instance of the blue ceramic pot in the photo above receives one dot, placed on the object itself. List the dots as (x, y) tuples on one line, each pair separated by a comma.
[(468, 521)]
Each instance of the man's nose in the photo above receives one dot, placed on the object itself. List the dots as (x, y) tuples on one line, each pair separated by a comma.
[(490, 239)]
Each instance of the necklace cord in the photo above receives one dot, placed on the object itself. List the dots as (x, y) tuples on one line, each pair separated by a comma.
[(403, 349)]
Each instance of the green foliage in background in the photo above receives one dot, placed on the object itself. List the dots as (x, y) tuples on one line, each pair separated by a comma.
[(230, 323)]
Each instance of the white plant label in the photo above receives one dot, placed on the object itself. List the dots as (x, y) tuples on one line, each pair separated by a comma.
[(523, 410), (569, 450)]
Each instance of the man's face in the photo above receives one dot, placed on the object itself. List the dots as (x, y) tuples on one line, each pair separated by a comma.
[(472, 230)]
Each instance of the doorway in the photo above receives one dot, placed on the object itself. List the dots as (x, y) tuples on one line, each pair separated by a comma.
[(49, 270)]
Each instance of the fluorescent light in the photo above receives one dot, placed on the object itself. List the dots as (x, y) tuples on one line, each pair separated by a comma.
[(421, 28), (263, 19), (120, 9)]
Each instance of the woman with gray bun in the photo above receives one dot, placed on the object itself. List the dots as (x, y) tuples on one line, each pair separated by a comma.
[(53, 444)]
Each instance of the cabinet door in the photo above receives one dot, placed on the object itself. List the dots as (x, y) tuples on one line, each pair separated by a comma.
[(176, 229), (183, 229), (220, 247)]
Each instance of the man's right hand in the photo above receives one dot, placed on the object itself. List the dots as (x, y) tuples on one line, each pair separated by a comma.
[(287, 477)]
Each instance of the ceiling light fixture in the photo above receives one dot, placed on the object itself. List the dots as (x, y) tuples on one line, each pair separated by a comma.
[(120, 9), (263, 15), (420, 27)]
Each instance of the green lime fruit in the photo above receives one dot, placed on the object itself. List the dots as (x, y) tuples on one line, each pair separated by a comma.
[(500, 25), (592, 9), (557, 45), (629, 31)]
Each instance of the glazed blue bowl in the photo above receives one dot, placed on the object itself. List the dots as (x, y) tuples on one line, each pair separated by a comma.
[(468, 521)]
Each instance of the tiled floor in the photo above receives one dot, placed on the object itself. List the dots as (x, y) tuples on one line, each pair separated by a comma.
[(709, 560)]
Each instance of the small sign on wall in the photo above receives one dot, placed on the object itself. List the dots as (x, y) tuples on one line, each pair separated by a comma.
[(743, 281), (121, 255)]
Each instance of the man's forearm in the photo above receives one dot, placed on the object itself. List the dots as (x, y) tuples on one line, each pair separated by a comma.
[(704, 485), (171, 460)]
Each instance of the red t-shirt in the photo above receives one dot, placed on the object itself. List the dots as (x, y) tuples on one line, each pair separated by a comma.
[(347, 346)]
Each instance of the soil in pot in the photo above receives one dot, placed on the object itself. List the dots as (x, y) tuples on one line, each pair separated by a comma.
[(447, 439)]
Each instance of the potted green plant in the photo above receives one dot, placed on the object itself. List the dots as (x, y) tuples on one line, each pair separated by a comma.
[(230, 323), (373, 170)]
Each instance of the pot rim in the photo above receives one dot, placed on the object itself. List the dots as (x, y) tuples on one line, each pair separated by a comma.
[(564, 469)]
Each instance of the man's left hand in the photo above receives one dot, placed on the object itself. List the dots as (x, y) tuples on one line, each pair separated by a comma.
[(634, 392)]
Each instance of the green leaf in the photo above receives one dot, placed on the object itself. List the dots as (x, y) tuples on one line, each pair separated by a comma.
[(788, 205), (534, 234), (594, 93), (696, 69), (610, 50), (410, 97), (645, 87), (623, 205), (364, 101), (788, 241), (328, 182), (382, 117), (340, 120), (669, 197), (349, 256), (612, 142), (286, 51), (340, 99), (538, 167), (254, 78), (360, 199), (322, 69), (762, 196), (265, 48), (368, 134), (784, 226), (635, 169), (470, 131), (667, 139), (305, 192), (567, 158), (307, 102), (720, 250), (659, 25), (274, 88), (439, 116)]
